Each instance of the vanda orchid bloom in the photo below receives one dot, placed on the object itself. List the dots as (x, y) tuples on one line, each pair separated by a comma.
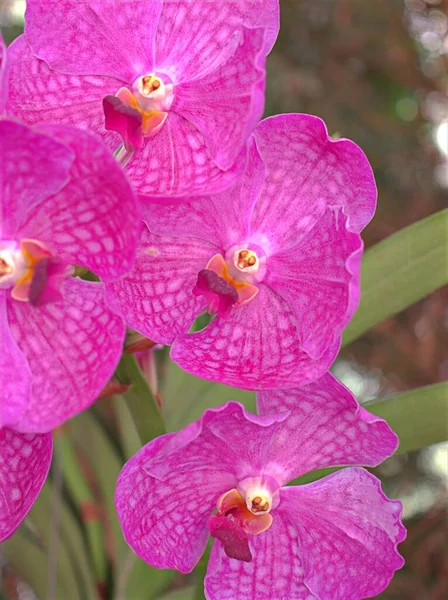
[(24, 463), (276, 258), (334, 539), (179, 86), (64, 202), (25, 458)]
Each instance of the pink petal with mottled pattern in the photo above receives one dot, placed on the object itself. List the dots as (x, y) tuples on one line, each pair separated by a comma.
[(326, 428), (331, 540), (197, 47), (223, 219), (15, 377), (102, 38), (164, 520), (94, 220), (72, 349), (226, 439), (195, 40), (275, 572), (63, 98), (167, 491), (319, 280), (176, 162), (34, 166), (156, 297), (306, 173), (226, 105), (24, 464), (348, 532), (254, 348)]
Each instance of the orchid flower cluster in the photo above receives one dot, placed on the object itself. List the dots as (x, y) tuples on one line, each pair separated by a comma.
[(131, 148)]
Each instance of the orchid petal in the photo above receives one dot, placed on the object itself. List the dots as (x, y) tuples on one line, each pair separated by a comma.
[(34, 166), (15, 374), (348, 532), (223, 219), (156, 297), (275, 572), (72, 349), (24, 464), (193, 42), (226, 105), (319, 279), (94, 38), (306, 173), (39, 95), (326, 427), (255, 347), (3, 76), (94, 220), (164, 520), (176, 162)]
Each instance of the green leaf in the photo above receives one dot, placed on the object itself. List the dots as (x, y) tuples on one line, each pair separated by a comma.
[(71, 535), (185, 397), (185, 593), (140, 400), (31, 563), (399, 271), (132, 578), (82, 497), (37, 532), (139, 580), (93, 444), (129, 435), (419, 417)]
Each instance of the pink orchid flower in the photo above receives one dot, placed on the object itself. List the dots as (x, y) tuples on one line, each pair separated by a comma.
[(24, 464), (333, 539), (64, 202), (276, 258), (178, 86)]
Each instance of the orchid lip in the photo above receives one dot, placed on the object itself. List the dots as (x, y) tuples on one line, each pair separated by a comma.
[(32, 272), (221, 291)]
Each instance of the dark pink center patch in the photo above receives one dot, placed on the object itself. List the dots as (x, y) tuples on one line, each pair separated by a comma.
[(232, 536), (125, 120), (219, 294), (48, 275)]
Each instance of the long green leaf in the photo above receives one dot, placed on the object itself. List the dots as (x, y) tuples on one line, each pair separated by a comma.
[(132, 578), (419, 417), (93, 443), (140, 400), (129, 435), (399, 271), (71, 538), (83, 499), (185, 593), (31, 563)]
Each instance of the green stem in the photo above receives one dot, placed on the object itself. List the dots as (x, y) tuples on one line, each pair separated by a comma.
[(140, 400)]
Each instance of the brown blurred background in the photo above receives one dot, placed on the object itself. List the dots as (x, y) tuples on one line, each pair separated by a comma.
[(375, 71)]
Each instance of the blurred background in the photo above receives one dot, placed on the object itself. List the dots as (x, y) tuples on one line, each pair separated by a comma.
[(376, 72)]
